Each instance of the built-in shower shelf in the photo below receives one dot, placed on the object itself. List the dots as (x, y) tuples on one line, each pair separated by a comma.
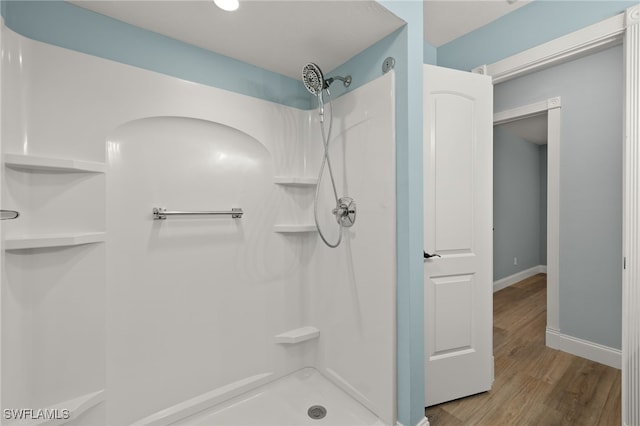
[(294, 229), (298, 335), (295, 180), (75, 407), (35, 163), (52, 240)]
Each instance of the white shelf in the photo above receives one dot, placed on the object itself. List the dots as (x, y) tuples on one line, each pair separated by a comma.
[(34, 163), (297, 335), (295, 180), (53, 240), (76, 407), (294, 229)]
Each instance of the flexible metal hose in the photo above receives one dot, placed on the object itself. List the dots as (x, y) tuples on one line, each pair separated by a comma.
[(325, 161)]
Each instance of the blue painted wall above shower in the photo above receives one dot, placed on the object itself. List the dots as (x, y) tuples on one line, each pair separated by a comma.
[(538, 22), (72, 27)]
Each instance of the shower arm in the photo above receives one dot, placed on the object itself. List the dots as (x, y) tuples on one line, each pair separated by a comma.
[(345, 80)]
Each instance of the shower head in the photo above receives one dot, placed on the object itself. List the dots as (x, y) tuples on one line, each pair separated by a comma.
[(312, 78), (315, 82)]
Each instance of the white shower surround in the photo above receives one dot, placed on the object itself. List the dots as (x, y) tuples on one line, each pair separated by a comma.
[(161, 317)]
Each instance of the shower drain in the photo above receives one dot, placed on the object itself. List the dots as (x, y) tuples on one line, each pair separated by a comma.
[(317, 412)]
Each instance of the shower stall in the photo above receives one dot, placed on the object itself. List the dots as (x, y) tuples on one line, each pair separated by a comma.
[(166, 266)]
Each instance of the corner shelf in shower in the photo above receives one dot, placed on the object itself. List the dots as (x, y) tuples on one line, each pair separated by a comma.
[(35, 163), (53, 240), (294, 181), (297, 335), (294, 229)]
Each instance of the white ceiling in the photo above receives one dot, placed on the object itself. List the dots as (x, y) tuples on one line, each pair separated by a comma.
[(532, 129), (446, 20), (280, 36)]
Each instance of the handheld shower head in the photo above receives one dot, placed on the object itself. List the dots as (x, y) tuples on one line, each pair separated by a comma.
[(312, 78), (315, 82)]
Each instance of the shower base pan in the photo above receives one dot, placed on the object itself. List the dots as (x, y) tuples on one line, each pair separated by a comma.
[(287, 402)]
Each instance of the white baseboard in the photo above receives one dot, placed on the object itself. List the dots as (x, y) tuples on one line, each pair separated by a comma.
[(585, 349), (423, 422), (517, 277)]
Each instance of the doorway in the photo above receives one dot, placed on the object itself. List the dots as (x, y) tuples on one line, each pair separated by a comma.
[(519, 200), (530, 121)]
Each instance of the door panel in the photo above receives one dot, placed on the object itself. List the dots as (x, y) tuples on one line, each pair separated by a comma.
[(458, 227), (453, 319), (453, 123)]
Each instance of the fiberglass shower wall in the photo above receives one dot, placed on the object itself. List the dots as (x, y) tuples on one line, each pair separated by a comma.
[(353, 289), (128, 316)]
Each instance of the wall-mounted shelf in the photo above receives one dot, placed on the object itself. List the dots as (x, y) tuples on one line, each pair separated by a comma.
[(75, 406), (295, 181), (297, 335), (294, 229), (34, 163), (53, 240)]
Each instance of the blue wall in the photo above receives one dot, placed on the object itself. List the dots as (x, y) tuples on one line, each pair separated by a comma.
[(590, 279), (430, 54), (536, 23), (409, 212), (65, 25), (517, 212)]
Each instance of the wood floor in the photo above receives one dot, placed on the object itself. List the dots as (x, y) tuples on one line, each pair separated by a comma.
[(534, 385)]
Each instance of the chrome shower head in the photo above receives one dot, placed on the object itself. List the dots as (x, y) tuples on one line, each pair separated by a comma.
[(312, 78), (315, 82)]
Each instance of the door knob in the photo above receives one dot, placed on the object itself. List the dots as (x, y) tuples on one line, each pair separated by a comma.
[(8, 214), (429, 256)]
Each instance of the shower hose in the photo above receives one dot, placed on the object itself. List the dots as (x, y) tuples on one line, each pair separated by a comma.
[(326, 161)]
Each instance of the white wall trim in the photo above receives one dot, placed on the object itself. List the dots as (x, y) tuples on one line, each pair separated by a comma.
[(554, 137), (553, 108), (519, 113), (423, 422), (571, 46), (518, 276), (584, 348), (631, 223), (1, 233)]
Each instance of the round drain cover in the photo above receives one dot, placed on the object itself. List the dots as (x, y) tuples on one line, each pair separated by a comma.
[(317, 412)]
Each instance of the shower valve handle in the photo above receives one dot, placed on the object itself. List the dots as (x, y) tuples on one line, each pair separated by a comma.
[(345, 212)]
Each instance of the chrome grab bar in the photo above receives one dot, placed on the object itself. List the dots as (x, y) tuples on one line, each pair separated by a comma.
[(160, 213), (8, 214)]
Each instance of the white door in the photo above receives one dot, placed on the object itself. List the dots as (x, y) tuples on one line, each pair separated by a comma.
[(458, 194)]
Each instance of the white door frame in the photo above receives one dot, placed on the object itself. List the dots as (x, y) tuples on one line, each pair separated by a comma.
[(1, 234), (624, 28), (552, 107)]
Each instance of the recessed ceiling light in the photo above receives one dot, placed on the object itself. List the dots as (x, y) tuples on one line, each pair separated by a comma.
[(228, 5)]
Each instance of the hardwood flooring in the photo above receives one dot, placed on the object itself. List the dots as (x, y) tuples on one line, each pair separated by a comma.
[(534, 385)]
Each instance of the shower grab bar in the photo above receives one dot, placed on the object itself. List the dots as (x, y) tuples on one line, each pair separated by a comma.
[(160, 213), (9, 214)]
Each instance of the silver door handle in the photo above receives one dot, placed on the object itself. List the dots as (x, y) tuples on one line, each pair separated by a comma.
[(8, 214)]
